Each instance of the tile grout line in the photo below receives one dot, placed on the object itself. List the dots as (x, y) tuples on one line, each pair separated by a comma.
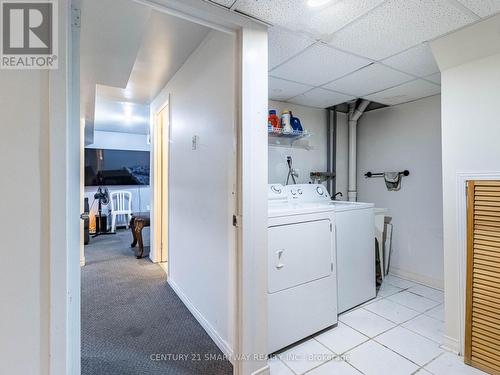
[(379, 334)]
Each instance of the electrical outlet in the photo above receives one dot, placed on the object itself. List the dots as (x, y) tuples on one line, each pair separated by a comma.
[(195, 142)]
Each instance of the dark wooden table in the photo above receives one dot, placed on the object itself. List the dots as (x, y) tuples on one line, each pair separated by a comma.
[(137, 223)]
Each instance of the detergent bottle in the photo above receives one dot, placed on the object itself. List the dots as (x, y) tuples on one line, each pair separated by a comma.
[(273, 121), (285, 122), (295, 123)]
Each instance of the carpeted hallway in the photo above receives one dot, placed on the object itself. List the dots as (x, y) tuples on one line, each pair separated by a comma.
[(130, 314)]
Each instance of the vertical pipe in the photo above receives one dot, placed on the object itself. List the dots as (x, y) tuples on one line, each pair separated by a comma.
[(352, 192), (331, 148), (354, 115)]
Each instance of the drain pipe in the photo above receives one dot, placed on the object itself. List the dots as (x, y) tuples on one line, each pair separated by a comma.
[(354, 114)]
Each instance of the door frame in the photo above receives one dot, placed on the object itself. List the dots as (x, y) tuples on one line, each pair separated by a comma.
[(461, 206), (250, 343), (158, 137)]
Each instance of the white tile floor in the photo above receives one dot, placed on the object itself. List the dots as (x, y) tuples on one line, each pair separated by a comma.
[(398, 333)]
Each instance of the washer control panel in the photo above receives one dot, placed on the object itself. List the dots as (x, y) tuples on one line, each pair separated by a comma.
[(307, 193), (276, 192)]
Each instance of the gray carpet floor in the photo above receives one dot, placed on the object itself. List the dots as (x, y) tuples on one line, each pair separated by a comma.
[(130, 313)]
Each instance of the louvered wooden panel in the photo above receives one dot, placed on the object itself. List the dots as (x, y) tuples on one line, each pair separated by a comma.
[(482, 341)]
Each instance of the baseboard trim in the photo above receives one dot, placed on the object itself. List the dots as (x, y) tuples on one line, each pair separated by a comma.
[(425, 280), (214, 335), (451, 344), (266, 370), (164, 267)]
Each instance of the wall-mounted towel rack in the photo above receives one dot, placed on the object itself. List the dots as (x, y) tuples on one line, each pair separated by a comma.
[(381, 174)]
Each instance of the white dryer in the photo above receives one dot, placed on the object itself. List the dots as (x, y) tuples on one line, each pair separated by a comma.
[(355, 243), (301, 270)]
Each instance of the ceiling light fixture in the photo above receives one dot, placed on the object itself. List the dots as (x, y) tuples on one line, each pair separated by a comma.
[(317, 3)]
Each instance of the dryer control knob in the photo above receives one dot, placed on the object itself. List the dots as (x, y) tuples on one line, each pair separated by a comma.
[(319, 190)]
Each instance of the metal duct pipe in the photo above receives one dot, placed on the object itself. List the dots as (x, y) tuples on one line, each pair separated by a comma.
[(354, 114)]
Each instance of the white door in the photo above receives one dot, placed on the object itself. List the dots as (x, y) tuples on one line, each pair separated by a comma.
[(299, 253), (160, 184)]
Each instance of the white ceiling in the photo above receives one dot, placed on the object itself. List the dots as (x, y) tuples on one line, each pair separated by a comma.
[(128, 54), (374, 49), (107, 48), (167, 42)]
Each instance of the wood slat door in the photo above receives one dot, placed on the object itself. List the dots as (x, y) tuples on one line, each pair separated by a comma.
[(482, 326)]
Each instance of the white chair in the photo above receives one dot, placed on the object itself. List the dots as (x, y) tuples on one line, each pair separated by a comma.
[(121, 205)]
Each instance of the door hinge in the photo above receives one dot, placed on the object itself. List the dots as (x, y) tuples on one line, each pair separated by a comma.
[(236, 221), (331, 266), (331, 227), (76, 17)]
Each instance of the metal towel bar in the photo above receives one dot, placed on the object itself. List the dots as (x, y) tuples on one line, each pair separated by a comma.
[(381, 174)]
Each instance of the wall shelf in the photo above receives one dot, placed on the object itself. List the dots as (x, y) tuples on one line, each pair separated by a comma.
[(278, 138)]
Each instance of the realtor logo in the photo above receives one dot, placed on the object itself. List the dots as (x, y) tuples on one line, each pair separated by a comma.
[(29, 34)]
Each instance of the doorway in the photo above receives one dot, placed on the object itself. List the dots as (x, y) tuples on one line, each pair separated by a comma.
[(147, 322), (160, 159), (249, 334)]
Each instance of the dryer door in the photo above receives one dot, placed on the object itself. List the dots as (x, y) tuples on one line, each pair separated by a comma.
[(299, 253)]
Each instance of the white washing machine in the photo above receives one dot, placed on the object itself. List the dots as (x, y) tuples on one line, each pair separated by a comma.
[(355, 243), (301, 270)]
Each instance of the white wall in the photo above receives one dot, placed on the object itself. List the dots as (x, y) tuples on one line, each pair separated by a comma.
[(24, 268), (120, 141), (471, 134), (407, 136), (201, 182), (305, 160)]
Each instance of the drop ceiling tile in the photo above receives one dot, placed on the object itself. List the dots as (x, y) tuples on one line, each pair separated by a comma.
[(483, 8), (406, 92), (397, 25), (297, 15), (284, 44), (280, 89), (226, 3), (418, 61), (320, 98), (436, 78), (373, 78), (318, 65)]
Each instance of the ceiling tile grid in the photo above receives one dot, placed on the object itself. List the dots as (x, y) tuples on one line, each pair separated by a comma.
[(284, 44), (398, 25), (224, 3), (378, 47), (320, 98), (435, 78), (318, 65), (296, 15), (282, 90), (406, 92), (373, 78), (483, 8), (418, 61)]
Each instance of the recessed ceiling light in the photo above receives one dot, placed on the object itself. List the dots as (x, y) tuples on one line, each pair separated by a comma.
[(317, 3)]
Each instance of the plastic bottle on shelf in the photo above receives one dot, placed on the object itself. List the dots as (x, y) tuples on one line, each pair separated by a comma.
[(273, 121), (295, 123), (285, 122)]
